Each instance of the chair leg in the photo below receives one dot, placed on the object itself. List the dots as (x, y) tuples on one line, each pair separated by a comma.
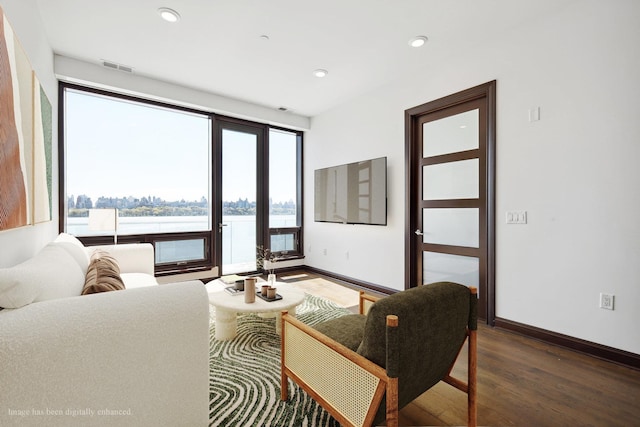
[(284, 381), (284, 388), (471, 381), (392, 402)]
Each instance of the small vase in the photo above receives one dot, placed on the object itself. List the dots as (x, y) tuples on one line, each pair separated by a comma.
[(271, 279), (250, 290)]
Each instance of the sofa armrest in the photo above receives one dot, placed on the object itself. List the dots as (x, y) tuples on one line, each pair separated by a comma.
[(131, 257), (140, 356)]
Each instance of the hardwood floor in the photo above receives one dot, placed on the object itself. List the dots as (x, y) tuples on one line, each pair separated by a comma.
[(525, 382)]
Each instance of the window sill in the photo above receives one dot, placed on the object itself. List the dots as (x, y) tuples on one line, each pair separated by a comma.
[(288, 258)]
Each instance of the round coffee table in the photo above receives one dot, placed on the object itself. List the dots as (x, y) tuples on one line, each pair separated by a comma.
[(228, 306)]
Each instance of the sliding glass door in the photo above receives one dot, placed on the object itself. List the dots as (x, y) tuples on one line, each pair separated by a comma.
[(240, 217)]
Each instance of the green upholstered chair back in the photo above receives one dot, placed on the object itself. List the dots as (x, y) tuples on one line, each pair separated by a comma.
[(432, 322)]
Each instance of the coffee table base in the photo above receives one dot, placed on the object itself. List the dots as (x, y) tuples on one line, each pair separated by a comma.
[(227, 322)]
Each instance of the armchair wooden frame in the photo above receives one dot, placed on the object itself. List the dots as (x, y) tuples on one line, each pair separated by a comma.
[(346, 384)]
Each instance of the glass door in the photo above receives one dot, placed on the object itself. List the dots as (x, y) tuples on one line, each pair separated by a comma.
[(451, 180), (239, 227), (450, 232)]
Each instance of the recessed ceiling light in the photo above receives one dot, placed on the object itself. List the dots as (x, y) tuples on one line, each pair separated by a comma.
[(320, 72), (264, 37), (169, 15), (418, 41)]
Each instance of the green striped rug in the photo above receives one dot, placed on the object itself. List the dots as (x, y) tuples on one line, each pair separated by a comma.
[(244, 374)]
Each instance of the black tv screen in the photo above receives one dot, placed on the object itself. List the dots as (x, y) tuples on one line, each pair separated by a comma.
[(354, 193)]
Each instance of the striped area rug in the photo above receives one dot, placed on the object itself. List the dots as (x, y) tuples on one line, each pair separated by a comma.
[(244, 374)]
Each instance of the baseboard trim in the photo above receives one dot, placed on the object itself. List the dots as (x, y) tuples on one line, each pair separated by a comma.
[(350, 281), (600, 351)]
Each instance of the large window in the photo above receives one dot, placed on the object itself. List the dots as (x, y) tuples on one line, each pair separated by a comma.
[(284, 187), (154, 165)]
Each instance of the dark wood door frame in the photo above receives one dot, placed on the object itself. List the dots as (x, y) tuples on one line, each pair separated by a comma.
[(487, 94)]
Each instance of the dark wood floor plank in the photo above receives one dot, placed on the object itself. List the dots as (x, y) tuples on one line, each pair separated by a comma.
[(526, 382)]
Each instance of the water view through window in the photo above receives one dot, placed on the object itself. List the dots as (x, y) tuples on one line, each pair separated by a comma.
[(153, 163)]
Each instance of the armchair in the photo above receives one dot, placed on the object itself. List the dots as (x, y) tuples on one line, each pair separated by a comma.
[(363, 368)]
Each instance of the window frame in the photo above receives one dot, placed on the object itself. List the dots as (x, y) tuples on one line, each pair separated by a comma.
[(297, 230), (212, 251)]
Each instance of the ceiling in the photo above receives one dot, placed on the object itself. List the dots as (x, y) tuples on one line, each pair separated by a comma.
[(217, 46)]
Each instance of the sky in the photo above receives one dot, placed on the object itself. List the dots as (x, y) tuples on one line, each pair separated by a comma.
[(120, 149)]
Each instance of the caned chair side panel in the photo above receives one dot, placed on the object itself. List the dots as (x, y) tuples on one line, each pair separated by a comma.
[(331, 378)]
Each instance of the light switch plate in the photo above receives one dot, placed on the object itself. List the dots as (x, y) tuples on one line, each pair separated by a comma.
[(516, 217)]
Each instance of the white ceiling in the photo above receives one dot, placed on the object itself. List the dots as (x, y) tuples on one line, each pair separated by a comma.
[(217, 45)]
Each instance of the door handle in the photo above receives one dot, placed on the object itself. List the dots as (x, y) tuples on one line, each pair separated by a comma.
[(419, 232), (220, 225)]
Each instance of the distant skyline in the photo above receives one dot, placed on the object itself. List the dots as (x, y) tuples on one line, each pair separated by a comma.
[(145, 151), (151, 197)]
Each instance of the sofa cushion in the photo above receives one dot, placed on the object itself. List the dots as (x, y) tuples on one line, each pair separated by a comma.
[(75, 248), (68, 238), (78, 254), (103, 274), (50, 274), (138, 280)]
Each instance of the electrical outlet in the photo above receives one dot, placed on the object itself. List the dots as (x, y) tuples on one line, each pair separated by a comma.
[(606, 301), (324, 251)]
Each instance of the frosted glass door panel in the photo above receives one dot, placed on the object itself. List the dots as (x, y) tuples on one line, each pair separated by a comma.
[(453, 180), (456, 227), (437, 267), (450, 134)]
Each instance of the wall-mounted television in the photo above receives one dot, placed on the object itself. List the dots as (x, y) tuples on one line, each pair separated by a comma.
[(353, 193)]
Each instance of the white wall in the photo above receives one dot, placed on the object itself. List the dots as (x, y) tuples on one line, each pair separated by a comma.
[(19, 244), (575, 171)]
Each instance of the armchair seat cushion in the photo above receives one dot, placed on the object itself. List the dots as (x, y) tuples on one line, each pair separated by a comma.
[(347, 330)]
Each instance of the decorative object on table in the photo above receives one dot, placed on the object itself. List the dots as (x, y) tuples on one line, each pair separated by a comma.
[(264, 255), (250, 290), (249, 366), (263, 290), (271, 292), (234, 291), (239, 285), (271, 279), (270, 295)]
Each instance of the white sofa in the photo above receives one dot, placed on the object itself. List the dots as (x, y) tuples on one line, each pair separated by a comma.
[(134, 357)]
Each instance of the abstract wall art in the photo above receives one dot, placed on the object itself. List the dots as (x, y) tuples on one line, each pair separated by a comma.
[(42, 141), (25, 138)]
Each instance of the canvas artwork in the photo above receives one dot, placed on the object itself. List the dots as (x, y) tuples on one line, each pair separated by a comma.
[(42, 162), (25, 138)]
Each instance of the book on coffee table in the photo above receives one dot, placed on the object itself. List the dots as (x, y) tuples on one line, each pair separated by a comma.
[(233, 291)]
